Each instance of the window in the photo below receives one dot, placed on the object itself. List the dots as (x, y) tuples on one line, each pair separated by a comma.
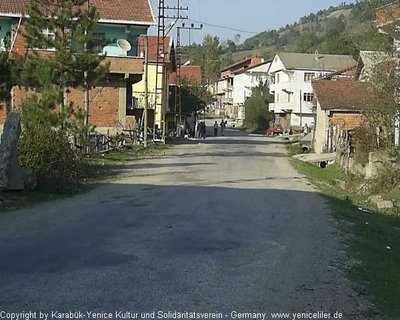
[(308, 76), (5, 42), (130, 100), (308, 97), (50, 36), (277, 77), (272, 80), (97, 42)]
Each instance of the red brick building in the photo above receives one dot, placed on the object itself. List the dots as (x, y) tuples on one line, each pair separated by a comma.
[(121, 22)]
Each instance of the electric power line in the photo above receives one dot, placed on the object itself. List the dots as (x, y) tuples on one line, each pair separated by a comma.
[(223, 27)]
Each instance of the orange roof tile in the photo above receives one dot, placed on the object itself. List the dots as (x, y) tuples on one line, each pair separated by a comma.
[(191, 73), (344, 95), (135, 12)]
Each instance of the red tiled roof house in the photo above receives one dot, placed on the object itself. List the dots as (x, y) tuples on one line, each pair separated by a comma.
[(340, 105), (119, 20)]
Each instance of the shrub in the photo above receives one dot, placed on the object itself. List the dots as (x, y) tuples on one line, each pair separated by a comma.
[(47, 149), (387, 179), (50, 155)]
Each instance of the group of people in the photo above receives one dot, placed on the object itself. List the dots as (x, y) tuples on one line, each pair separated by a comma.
[(216, 126), (201, 129)]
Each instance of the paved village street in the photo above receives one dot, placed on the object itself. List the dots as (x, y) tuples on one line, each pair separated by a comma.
[(219, 225)]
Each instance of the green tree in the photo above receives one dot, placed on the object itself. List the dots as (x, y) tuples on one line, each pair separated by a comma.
[(257, 114), (48, 121), (69, 25), (194, 97), (341, 44), (306, 42), (208, 57), (227, 59), (6, 79)]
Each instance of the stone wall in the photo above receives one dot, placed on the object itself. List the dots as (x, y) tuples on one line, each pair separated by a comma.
[(376, 161)]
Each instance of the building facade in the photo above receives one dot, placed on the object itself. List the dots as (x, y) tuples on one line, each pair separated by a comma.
[(157, 107), (244, 81), (290, 77), (121, 22), (224, 87), (340, 106)]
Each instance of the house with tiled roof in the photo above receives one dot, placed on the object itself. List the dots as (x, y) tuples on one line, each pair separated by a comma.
[(156, 113), (120, 24), (340, 106), (245, 80), (290, 77), (223, 87)]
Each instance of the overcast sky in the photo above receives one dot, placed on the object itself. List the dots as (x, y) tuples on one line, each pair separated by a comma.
[(245, 15)]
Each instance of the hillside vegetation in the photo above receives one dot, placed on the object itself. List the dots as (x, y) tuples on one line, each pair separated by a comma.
[(344, 29)]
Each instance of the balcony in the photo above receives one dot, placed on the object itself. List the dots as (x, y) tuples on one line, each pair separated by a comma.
[(281, 107)]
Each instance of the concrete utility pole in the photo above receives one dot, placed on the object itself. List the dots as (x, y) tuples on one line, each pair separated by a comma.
[(161, 82), (146, 88), (178, 93)]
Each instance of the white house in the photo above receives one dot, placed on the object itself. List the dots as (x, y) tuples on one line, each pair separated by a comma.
[(245, 80), (224, 87), (291, 75), (223, 96)]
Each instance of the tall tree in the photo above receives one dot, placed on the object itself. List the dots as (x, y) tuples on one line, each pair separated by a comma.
[(207, 56), (5, 77), (257, 115), (65, 27), (236, 39), (194, 97)]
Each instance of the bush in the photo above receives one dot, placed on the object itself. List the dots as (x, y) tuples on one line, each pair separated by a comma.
[(364, 140), (50, 155), (387, 180)]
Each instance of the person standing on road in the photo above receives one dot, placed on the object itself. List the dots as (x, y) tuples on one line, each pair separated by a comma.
[(215, 128), (223, 125), (197, 130), (203, 130)]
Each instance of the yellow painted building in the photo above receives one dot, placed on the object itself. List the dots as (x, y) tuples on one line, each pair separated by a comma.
[(138, 89)]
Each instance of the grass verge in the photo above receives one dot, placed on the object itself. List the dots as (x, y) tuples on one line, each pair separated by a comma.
[(374, 238), (97, 170)]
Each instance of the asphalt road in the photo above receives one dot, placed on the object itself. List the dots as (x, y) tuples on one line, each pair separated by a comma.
[(218, 225)]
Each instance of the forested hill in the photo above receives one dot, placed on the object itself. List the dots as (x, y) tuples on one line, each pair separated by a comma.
[(343, 29)]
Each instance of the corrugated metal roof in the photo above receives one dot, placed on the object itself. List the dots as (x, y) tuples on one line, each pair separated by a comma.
[(315, 61)]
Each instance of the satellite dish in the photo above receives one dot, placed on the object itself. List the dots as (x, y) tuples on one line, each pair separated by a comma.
[(124, 45)]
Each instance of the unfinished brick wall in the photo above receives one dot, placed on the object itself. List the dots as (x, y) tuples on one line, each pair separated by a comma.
[(20, 42), (348, 121), (104, 103), (103, 107)]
